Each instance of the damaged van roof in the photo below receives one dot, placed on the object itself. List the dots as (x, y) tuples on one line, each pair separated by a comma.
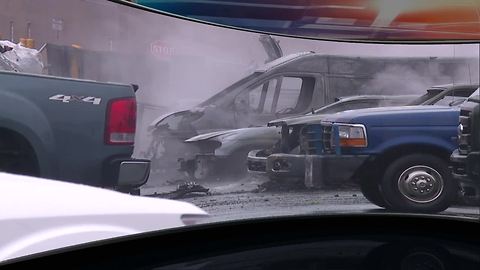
[(281, 60)]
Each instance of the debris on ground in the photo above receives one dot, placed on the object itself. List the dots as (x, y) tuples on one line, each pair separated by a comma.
[(188, 189), (292, 185), (281, 186), (176, 182)]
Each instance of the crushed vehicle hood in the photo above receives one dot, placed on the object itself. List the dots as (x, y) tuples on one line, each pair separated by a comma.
[(238, 134), (210, 135), (156, 121), (297, 120)]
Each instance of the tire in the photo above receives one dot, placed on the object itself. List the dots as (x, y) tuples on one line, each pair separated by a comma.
[(418, 183), (371, 191)]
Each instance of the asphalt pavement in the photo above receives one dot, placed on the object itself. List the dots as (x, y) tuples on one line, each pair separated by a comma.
[(223, 207), (229, 200)]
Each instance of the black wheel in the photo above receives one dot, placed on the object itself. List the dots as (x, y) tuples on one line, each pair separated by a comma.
[(418, 183), (371, 191)]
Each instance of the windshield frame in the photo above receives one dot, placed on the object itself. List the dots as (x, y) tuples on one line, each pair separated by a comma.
[(427, 97), (446, 92), (213, 99), (475, 97)]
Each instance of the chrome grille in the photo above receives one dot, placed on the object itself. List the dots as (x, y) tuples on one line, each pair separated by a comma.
[(308, 140), (316, 139), (328, 148)]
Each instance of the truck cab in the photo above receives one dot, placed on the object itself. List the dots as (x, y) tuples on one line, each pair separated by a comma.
[(466, 158)]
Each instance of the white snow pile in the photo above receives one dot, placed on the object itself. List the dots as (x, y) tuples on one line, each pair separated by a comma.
[(15, 57)]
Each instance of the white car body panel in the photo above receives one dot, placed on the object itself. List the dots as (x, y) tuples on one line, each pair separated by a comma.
[(39, 215)]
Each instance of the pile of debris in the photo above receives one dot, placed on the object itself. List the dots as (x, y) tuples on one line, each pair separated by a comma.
[(188, 189), (17, 58)]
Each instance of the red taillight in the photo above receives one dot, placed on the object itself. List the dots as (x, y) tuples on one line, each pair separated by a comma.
[(121, 121)]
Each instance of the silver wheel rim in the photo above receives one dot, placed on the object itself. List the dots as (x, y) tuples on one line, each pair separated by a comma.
[(420, 184)]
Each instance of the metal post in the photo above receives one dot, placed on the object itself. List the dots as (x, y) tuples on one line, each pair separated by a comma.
[(11, 31)]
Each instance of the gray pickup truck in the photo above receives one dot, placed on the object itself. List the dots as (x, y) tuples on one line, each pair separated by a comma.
[(72, 130)]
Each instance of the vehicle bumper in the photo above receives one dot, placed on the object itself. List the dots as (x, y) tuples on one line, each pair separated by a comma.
[(465, 165), (464, 168), (316, 170), (127, 173), (205, 166), (256, 162)]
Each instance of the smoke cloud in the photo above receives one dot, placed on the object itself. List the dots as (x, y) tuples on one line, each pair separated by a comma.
[(401, 79)]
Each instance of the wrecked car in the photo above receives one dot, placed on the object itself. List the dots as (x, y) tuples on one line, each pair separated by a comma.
[(225, 152), (287, 86), (363, 146)]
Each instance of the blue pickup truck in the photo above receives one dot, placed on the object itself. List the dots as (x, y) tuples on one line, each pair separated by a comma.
[(398, 155)]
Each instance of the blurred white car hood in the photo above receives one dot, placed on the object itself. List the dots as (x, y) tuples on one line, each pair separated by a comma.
[(38, 215)]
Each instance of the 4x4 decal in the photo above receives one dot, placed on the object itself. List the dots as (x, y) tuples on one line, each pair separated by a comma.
[(73, 98)]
